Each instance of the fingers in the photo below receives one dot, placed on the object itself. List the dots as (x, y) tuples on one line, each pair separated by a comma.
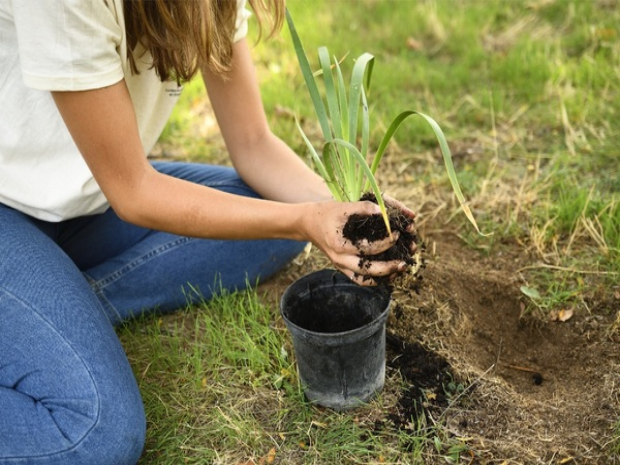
[(355, 259), (372, 270), (364, 271), (399, 205), (403, 208), (366, 248)]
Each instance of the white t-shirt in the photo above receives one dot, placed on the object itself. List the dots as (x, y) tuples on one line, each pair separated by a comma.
[(67, 45)]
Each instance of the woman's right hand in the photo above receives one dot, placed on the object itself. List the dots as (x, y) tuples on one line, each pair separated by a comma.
[(324, 225)]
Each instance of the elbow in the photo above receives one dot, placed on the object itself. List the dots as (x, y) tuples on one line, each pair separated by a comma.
[(127, 211), (132, 200)]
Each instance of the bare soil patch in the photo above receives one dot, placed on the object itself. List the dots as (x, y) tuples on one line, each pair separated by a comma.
[(513, 387), (540, 392)]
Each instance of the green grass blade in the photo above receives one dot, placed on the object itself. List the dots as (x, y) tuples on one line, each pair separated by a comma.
[(361, 162), (445, 152), (344, 106), (330, 91), (320, 166), (358, 76), (317, 101)]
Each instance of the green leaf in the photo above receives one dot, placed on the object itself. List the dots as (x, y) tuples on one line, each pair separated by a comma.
[(352, 150), (530, 292), (359, 185), (320, 166), (359, 73), (317, 101), (445, 152), (330, 91), (344, 106)]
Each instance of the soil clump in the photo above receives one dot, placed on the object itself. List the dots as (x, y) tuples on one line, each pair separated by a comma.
[(371, 228)]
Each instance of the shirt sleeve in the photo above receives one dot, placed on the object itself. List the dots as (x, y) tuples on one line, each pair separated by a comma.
[(67, 45), (243, 14)]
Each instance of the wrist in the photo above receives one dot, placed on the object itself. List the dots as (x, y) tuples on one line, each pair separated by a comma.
[(309, 217)]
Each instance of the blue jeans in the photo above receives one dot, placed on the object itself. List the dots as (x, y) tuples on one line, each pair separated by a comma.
[(67, 392)]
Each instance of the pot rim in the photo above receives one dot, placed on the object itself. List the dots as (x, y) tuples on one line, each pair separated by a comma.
[(336, 278)]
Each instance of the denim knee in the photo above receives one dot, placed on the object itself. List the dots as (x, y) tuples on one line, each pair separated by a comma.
[(118, 439), (65, 401), (116, 436)]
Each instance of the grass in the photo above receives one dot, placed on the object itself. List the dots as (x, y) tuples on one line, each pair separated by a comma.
[(220, 386), (528, 94)]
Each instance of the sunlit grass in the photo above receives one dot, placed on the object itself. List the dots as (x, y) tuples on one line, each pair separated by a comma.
[(219, 386)]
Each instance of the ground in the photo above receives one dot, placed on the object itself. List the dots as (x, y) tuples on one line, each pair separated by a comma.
[(524, 389), (514, 387)]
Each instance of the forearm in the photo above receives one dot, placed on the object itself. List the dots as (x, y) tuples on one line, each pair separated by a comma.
[(109, 142), (267, 164), (179, 207), (273, 170)]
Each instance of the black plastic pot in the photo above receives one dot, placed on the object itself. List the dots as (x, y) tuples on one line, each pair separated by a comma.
[(338, 333)]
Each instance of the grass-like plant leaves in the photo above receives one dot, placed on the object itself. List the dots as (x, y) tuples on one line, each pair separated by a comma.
[(343, 166)]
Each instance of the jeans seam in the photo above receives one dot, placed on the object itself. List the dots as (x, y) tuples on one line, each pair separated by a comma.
[(98, 285), (102, 283), (78, 357), (102, 298)]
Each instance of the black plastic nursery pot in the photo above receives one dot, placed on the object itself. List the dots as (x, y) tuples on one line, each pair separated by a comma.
[(338, 333)]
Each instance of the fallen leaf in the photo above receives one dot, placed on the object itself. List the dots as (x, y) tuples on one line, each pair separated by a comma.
[(561, 315), (318, 424), (271, 455), (565, 315), (414, 44), (606, 33)]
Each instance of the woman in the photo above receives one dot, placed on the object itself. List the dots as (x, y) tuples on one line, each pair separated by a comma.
[(92, 234)]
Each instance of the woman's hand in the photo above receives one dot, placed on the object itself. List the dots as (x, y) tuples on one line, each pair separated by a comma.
[(324, 227), (402, 207), (408, 213)]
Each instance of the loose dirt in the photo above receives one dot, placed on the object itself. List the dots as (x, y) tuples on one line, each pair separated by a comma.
[(540, 392), (512, 386)]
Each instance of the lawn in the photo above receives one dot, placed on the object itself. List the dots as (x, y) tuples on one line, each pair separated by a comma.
[(528, 95)]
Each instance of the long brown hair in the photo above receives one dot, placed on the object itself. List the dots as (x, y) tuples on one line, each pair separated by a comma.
[(181, 35)]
